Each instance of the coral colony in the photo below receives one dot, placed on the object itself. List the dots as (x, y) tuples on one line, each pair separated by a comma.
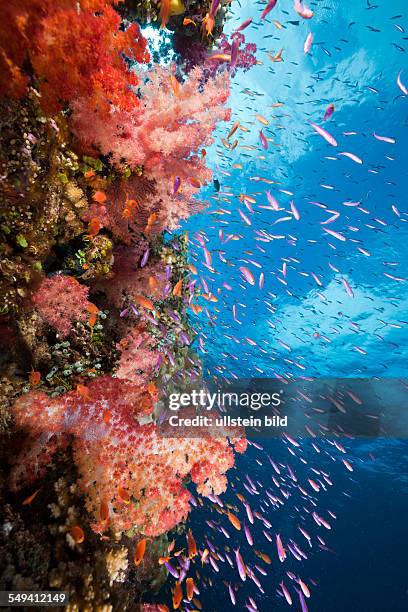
[(102, 151)]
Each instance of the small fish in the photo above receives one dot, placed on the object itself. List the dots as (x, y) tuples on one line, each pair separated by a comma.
[(151, 221), (271, 5), (123, 495), (77, 534), (308, 43), (234, 51), (177, 595), (176, 185), (28, 500), (281, 550), (286, 593), (384, 138), (234, 520), (328, 112), (190, 588), (104, 512), (233, 130), (247, 274), (187, 21), (144, 302), (192, 547), (177, 288), (295, 211), (232, 595), (324, 134), (262, 119), (164, 13), (194, 182), (348, 465), (401, 84), (209, 20), (140, 551), (244, 25), (83, 391), (277, 57), (347, 287), (144, 259), (303, 11), (263, 140), (240, 565), (304, 587), (335, 234), (351, 156)]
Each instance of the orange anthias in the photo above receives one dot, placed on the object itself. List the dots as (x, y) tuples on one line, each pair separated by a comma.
[(190, 588), (177, 596), (77, 534), (123, 495), (140, 551), (192, 547), (164, 13), (83, 391), (234, 520), (177, 287), (28, 500), (142, 301)]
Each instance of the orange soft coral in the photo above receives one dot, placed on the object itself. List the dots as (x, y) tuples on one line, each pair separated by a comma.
[(76, 49)]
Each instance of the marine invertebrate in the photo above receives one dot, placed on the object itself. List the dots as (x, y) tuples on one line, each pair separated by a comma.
[(131, 476), (75, 48), (138, 357), (61, 300), (175, 119), (164, 136)]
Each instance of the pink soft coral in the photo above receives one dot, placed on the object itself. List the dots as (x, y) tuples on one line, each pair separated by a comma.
[(132, 476), (172, 122), (138, 357), (61, 300), (164, 135)]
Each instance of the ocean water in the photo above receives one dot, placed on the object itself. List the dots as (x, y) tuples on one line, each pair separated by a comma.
[(304, 325)]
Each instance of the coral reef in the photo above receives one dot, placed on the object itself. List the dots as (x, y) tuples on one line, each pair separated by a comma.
[(100, 159)]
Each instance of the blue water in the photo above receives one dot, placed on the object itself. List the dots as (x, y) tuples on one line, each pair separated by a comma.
[(301, 327)]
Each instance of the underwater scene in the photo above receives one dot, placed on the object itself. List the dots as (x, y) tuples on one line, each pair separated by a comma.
[(203, 305)]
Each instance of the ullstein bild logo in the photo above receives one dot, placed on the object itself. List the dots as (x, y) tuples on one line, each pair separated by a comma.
[(220, 400)]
